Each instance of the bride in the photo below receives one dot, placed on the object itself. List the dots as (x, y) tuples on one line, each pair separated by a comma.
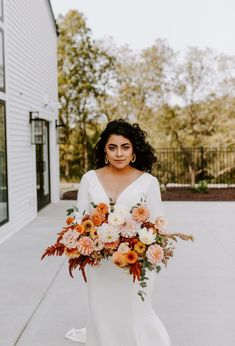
[(117, 315)]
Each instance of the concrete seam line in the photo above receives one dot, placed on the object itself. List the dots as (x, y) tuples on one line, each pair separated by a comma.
[(38, 304)]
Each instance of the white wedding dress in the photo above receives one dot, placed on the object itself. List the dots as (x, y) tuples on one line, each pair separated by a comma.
[(117, 315)]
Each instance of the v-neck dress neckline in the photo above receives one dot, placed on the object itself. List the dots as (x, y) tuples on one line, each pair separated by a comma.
[(121, 193)]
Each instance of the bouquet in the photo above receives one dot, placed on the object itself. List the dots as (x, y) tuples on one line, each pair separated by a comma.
[(127, 236)]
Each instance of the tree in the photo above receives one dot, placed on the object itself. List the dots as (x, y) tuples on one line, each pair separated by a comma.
[(202, 104), (142, 86), (85, 72)]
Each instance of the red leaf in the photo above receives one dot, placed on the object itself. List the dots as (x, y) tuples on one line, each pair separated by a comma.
[(54, 250)]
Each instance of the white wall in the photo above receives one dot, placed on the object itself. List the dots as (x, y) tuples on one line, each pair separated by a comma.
[(31, 83)]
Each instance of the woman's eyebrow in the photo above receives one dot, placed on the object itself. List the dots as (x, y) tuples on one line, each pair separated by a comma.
[(116, 144)]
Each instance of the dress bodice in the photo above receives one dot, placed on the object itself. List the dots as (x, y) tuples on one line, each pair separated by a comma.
[(145, 188)]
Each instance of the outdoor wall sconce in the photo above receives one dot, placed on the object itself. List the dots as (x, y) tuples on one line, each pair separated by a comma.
[(37, 128), (60, 132)]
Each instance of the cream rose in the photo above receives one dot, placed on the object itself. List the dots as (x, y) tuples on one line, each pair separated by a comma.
[(161, 224), (116, 218)]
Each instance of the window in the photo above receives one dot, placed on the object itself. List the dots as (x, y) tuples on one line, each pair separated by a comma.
[(2, 67), (3, 166)]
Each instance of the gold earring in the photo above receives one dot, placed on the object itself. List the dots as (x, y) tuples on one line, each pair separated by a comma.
[(133, 158), (106, 160)]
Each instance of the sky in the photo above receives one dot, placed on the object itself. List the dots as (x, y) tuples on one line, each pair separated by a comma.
[(138, 23)]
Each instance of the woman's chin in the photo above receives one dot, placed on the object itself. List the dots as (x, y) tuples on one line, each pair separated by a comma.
[(119, 165)]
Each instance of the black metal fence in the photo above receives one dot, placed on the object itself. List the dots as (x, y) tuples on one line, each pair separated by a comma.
[(185, 167)]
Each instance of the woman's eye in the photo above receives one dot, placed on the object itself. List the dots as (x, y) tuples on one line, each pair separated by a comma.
[(111, 148), (126, 148)]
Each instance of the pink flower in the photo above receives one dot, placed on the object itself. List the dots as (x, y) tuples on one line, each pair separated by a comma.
[(140, 213), (160, 224), (85, 246), (70, 238), (155, 254), (129, 228)]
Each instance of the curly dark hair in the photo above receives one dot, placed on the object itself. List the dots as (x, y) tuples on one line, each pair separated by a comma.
[(145, 156)]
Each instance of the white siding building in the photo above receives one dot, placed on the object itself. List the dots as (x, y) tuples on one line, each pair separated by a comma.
[(29, 173)]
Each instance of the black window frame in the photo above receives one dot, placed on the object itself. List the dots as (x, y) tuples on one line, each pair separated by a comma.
[(3, 89), (5, 133)]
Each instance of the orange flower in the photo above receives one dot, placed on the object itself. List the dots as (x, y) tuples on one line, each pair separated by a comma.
[(140, 248), (102, 208), (69, 220), (88, 225), (112, 245), (131, 256), (97, 219), (72, 253), (93, 233), (119, 259), (79, 228), (140, 214)]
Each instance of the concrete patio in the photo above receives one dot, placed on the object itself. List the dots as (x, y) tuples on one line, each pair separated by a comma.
[(194, 296)]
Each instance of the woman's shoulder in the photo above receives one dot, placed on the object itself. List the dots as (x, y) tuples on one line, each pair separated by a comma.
[(88, 175), (151, 177)]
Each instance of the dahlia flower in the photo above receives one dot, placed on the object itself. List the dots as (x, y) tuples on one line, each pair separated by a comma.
[(155, 254), (85, 246), (129, 228), (70, 239), (140, 213), (108, 233)]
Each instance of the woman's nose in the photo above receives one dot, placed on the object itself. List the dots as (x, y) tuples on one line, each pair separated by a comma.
[(119, 152)]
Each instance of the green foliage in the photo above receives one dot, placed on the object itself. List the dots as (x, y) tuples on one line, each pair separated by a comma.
[(84, 72), (202, 186)]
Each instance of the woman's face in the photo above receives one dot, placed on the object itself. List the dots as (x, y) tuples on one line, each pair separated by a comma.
[(119, 151)]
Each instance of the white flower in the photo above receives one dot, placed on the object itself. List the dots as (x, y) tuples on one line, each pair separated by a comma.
[(146, 236), (70, 239), (108, 233), (123, 248), (98, 245), (116, 218)]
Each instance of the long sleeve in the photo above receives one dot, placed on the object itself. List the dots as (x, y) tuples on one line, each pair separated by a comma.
[(153, 200), (83, 197)]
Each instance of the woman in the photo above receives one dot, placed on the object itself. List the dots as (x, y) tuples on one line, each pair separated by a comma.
[(117, 315)]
